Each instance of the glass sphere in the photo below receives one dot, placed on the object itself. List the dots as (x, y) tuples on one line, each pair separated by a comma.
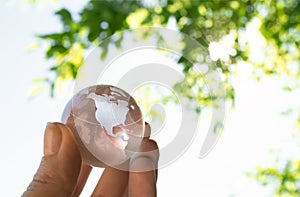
[(106, 123)]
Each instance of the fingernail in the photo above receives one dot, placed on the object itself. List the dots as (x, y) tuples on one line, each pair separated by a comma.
[(142, 164), (52, 139)]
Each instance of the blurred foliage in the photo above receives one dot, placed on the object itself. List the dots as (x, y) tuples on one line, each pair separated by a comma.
[(284, 178), (39, 1), (278, 36), (205, 21)]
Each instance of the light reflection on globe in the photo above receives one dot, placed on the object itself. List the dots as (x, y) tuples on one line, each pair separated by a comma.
[(107, 124)]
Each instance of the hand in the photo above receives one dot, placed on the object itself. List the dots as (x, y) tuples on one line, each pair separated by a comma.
[(62, 174)]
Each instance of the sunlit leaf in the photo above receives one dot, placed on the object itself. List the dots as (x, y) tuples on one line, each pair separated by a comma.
[(33, 46), (35, 91)]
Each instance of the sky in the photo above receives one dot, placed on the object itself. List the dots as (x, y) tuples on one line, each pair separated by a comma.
[(253, 129)]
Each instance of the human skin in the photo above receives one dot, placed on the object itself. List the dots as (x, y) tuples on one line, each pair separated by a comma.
[(61, 172)]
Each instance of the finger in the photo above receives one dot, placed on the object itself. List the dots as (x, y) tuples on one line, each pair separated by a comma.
[(113, 183), (147, 130), (149, 150), (147, 135), (82, 178), (143, 170), (59, 169), (125, 192)]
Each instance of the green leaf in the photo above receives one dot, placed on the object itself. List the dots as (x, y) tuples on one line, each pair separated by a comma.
[(65, 16), (35, 91), (39, 80), (287, 88), (56, 49)]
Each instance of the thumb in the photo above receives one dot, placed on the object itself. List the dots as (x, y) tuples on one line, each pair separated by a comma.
[(59, 169)]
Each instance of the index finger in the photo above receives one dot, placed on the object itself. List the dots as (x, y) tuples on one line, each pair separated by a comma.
[(143, 170)]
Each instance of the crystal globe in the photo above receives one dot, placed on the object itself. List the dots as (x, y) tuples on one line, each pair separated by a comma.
[(107, 124)]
